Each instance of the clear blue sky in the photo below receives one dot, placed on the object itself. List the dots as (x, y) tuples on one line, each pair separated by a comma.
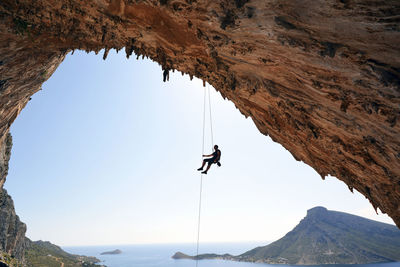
[(107, 153)]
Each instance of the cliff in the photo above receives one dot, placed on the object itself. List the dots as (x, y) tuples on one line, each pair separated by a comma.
[(322, 78), (325, 237), (319, 77), (12, 230)]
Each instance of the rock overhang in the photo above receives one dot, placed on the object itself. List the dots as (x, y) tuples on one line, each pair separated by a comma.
[(320, 78)]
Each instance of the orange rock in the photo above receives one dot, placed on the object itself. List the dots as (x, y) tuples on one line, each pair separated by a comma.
[(319, 77)]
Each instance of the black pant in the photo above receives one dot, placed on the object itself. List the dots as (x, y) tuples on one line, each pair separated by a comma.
[(209, 161)]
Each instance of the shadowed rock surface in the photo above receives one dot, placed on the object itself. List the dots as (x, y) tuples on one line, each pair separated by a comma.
[(12, 230), (325, 237), (319, 77)]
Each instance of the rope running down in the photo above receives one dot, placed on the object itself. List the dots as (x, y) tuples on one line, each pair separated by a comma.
[(201, 175)]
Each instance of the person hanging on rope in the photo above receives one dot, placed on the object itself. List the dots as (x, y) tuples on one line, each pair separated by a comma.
[(215, 157), (166, 75)]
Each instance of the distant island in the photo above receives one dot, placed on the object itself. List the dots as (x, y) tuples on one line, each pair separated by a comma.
[(324, 237), (113, 252), (181, 256)]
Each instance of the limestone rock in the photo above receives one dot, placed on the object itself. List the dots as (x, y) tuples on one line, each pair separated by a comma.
[(12, 230), (319, 77), (5, 154)]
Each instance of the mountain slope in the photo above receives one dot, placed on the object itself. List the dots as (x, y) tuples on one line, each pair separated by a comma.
[(324, 237), (328, 237), (45, 254)]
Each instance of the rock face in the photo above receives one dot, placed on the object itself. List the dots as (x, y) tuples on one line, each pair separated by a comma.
[(5, 154), (325, 237), (319, 77), (12, 230)]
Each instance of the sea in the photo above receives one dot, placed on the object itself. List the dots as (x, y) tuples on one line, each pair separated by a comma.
[(160, 255)]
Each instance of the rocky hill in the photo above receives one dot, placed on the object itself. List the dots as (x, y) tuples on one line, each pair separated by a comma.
[(326, 237), (46, 254)]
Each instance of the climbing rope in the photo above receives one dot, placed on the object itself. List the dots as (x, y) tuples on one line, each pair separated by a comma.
[(211, 126), (201, 175)]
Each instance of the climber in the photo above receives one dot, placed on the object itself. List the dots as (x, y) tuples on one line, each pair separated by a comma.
[(215, 157), (166, 75)]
